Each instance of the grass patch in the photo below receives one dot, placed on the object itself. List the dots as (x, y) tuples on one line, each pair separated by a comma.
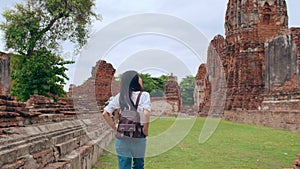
[(231, 146)]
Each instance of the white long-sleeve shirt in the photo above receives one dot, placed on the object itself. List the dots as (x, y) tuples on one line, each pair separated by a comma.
[(144, 103)]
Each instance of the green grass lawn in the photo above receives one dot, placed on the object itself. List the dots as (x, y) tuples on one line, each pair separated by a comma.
[(232, 145)]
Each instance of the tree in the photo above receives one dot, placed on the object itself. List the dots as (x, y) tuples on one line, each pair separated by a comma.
[(42, 74), (148, 83), (187, 86), (154, 85), (34, 32)]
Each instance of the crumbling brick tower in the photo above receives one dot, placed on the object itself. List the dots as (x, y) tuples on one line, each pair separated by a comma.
[(248, 25), (172, 93), (202, 90), (216, 77), (211, 80)]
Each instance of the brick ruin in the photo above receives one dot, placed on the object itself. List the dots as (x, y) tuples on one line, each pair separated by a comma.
[(170, 104), (282, 74), (202, 91), (260, 57), (248, 25), (211, 81), (4, 73), (42, 133), (172, 93), (69, 133), (97, 89)]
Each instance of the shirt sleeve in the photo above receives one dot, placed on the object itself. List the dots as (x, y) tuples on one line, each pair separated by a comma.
[(113, 104), (145, 101)]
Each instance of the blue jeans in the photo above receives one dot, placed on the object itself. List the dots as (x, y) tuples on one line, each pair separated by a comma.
[(131, 150)]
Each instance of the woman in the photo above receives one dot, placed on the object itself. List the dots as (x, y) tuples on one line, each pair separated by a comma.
[(130, 149)]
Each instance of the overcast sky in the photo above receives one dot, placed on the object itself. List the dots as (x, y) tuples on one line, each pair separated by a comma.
[(207, 16)]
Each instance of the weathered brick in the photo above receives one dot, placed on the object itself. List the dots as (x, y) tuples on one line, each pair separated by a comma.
[(5, 81), (4, 114), (42, 153), (172, 95), (58, 165), (97, 88), (18, 164), (246, 70), (248, 26)]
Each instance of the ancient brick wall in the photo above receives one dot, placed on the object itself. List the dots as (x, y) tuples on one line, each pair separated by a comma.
[(260, 58), (5, 81), (12, 113), (282, 100), (172, 94), (161, 107), (281, 119), (281, 61), (211, 80), (296, 40), (36, 110), (202, 90), (216, 77), (41, 133), (115, 87), (69, 133), (248, 25), (189, 110), (97, 89), (282, 72), (104, 75)]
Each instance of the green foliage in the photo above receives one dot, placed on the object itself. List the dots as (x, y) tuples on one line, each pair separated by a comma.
[(34, 32), (154, 85), (43, 23), (43, 73), (187, 86)]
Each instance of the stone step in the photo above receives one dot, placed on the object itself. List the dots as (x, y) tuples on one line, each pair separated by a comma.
[(96, 133), (67, 147), (13, 154), (88, 152), (67, 136), (29, 134), (20, 144), (59, 165), (72, 144), (12, 150)]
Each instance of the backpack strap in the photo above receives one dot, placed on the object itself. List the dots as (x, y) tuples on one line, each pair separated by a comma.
[(138, 100)]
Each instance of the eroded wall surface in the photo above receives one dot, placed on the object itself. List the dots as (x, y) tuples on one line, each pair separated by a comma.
[(5, 81), (248, 25), (69, 133)]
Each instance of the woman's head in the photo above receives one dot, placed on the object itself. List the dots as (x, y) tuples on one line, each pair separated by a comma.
[(130, 81)]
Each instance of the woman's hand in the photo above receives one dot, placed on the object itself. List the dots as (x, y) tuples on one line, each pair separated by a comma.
[(145, 131), (109, 120)]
